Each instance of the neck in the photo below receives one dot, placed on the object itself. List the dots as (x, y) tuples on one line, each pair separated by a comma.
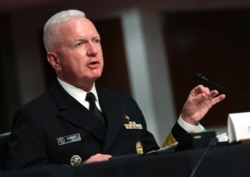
[(85, 86)]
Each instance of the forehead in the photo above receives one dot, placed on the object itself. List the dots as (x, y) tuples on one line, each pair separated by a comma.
[(78, 26)]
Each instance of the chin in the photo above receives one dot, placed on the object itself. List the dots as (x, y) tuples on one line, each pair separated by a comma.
[(96, 77), (98, 74)]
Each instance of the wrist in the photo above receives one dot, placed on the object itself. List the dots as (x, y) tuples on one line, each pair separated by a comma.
[(189, 120), (190, 128)]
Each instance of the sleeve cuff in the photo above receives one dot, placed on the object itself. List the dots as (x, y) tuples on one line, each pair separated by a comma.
[(189, 127)]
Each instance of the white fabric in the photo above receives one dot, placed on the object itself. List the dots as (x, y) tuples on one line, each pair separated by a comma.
[(189, 127), (79, 94)]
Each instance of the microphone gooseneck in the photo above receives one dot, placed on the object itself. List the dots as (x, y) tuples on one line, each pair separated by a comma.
[(201, 78)]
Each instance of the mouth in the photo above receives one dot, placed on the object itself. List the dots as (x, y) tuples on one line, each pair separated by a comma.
[(93, 64)]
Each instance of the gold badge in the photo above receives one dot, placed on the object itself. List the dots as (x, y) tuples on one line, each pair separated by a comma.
[(75, 160), (139, 148), (133, 125)]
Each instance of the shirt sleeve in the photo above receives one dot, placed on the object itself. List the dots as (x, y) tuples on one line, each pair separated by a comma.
[(189, 127)]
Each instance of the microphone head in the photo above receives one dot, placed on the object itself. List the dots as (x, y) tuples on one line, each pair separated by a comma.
[(200, 77)]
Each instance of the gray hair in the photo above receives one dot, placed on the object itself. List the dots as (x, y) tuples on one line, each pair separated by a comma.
[(48, 34)]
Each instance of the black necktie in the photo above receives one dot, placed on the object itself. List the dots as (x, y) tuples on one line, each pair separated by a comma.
[(90, 97)]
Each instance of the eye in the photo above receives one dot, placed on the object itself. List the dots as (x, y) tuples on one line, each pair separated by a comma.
[(97, 40), (78, 44)]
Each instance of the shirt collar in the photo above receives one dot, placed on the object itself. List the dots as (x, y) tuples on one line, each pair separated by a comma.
[(78, 93)]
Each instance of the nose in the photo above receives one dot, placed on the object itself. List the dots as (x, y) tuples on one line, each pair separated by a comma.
[(92, 49)]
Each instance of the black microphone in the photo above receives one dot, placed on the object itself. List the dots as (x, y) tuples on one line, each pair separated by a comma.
[(200, 77)]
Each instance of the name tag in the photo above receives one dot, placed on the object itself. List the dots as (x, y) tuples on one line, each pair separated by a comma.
[(69, 139)]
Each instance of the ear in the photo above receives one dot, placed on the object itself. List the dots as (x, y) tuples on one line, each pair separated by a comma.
[(54, 61)]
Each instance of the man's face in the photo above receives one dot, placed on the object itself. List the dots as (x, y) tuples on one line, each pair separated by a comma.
[(78, 52)]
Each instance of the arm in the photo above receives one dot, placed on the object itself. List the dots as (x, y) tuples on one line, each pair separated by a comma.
[(26, 144), (199, 102)]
